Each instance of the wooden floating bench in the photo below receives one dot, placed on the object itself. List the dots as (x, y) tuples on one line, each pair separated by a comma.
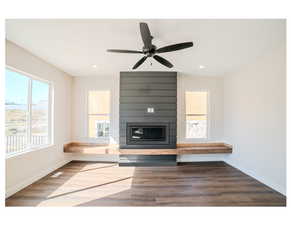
[(91, 148), (182, 149)]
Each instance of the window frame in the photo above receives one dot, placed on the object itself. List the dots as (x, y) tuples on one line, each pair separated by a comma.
[(98, 139), (207, 117), (31, 148)]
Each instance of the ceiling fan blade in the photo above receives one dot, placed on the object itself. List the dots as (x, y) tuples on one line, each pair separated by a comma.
[(163, 61), (139, 62), (123, 51), (174, 47), (145, 35)]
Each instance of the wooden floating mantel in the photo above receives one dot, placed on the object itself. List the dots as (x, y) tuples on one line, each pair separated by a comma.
[(182, 149)]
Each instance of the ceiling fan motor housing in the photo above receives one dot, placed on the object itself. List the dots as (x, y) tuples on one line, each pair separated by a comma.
[(149, 52)]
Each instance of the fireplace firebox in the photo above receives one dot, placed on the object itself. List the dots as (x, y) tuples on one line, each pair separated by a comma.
[(145, 135)]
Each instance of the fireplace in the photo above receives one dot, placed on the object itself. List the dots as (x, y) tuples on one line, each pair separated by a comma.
[(147, 116), (142, 134)]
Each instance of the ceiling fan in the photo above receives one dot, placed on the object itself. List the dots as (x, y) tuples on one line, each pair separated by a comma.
[(150, 50)]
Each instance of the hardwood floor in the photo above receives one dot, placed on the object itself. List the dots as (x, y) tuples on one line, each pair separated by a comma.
[(196, 184)]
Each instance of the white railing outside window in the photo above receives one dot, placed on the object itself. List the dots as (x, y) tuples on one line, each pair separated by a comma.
[(102, 128), (19, 143), (196, 128)]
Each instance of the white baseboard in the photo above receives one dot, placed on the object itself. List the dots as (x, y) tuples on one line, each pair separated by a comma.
[(12, 190), (201, 157), (95, 158)]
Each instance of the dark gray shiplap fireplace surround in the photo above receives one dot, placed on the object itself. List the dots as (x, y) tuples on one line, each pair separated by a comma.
[(148, 115)]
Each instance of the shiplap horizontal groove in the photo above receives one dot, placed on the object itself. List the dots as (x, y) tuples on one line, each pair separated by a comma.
[(156, 101), (146, 81), (156, 110), (140, 113), (148, 74), (141, 96), (124, 77), (151, 86), (147, 96), (145, 116), (149, 89), (149, 119), (157, 114), (144, 106), (149, 104), (171, 136), (148, 93)]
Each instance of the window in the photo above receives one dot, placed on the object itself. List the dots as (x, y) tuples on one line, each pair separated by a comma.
[(98, 114), (27, 112), (196, 114)]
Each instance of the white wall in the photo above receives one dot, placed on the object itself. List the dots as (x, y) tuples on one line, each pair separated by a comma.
[(81, 86), (214, 86), (255, 119), (22, 170)]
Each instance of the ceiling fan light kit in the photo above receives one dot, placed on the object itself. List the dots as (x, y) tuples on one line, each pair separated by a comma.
[(150, 50)]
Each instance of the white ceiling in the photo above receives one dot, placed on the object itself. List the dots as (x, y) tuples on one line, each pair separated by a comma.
[(74, 45)]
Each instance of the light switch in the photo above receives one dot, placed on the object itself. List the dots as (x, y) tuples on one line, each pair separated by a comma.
[(150, 110)]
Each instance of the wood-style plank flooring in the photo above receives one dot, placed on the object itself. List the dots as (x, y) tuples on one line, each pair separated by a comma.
[(100, 184)]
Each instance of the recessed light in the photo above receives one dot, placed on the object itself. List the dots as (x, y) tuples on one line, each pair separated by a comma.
[(94, 66), (201, 67)]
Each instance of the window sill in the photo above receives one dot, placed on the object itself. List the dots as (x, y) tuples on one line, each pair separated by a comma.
[(12, 155)]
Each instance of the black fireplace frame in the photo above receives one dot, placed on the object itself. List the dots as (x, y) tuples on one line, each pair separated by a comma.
[(147, 143)]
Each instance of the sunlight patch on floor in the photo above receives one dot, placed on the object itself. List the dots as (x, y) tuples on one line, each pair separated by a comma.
[(80, 196), (75, 193)]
